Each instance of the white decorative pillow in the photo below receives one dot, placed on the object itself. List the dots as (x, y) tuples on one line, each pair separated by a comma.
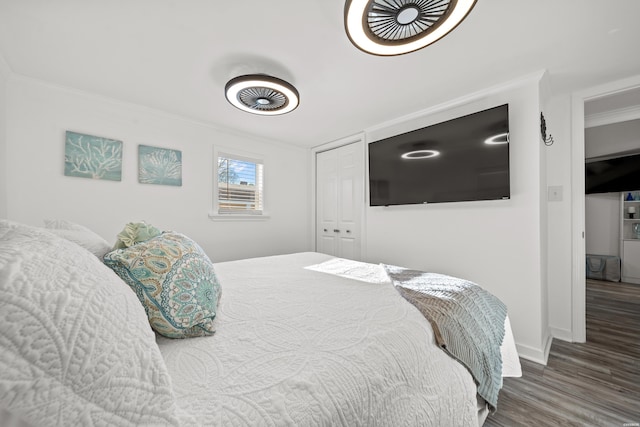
[(75, 344), (80, 235)]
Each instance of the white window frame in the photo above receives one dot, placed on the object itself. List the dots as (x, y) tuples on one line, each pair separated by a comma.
[(216, 214)]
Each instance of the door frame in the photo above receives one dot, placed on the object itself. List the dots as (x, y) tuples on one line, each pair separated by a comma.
[(578, 248), (359, 139)]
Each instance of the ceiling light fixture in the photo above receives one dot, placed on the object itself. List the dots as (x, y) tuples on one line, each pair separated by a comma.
[(420, 154), (262, 94), (395, 27)]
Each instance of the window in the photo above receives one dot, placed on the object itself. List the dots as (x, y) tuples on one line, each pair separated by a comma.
[(238, 188)]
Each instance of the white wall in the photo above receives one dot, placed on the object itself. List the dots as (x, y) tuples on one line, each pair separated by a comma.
[(546, 337), (559, 218), (497, 244), (38, 116), (602, 223), (4, 76)]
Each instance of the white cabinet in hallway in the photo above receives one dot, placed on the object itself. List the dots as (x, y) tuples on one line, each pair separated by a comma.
[(340, 201), (630, 236)]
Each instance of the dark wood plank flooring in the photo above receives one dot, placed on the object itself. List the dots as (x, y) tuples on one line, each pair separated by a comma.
[(596, 383)]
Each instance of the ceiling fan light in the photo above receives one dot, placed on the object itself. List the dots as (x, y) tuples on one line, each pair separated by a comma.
[(262, 94), (392, 27)]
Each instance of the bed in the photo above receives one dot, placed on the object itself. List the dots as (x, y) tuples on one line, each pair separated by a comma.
[(301, 339)]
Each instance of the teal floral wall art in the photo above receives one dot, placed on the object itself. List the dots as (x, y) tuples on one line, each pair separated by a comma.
[(94, 157), (159, 166)]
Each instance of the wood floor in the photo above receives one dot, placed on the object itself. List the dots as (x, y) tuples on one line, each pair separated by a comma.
[(596, 383)]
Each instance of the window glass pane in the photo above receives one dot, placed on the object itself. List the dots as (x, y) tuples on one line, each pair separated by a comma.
[(239, 185)]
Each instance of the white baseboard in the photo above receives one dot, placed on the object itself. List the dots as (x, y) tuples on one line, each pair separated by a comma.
[(562, 334), (537, 355)]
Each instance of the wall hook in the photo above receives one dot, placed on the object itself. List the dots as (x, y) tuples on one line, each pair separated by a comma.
[(543, 131)]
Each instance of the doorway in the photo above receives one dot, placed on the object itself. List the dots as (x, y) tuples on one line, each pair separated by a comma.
[(578, 195)]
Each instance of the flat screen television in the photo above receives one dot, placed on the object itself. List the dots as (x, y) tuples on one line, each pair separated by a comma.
[(463, 159), (612, 175)]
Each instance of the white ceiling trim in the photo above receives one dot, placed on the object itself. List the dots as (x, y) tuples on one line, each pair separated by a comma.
[(466, 99), (144, 109), (614, 116)]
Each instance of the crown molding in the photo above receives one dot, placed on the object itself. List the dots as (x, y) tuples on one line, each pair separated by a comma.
[(614, 116), (535, 77), (144, 109)]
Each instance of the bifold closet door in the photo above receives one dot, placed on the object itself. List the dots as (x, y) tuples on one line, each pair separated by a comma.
[(339, 201)]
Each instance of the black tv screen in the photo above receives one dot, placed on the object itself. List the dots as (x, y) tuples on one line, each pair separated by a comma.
[(463, 159), (613, 175)]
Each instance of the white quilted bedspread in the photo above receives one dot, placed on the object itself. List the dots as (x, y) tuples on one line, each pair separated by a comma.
[(76, 348), (305, 348)]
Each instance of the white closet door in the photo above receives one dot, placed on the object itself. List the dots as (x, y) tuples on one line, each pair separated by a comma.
[(326, 202), (339, 201)]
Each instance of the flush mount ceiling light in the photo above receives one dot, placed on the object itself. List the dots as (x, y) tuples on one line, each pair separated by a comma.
[(395, 27), (420, 154), (262, 94)]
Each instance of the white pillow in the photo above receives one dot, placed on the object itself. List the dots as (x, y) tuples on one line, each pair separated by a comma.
[(80, 235), (75, 343)]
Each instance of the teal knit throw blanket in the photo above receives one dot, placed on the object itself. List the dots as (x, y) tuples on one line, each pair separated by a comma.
[(467, 321)]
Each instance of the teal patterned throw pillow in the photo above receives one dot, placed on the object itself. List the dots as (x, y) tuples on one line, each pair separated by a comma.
[(175, 281)]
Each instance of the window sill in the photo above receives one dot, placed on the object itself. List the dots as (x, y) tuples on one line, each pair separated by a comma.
[(213, 216)]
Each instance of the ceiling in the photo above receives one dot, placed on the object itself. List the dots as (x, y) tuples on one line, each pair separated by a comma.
[(177, 56)]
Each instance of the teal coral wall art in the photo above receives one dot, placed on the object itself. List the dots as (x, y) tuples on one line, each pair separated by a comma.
[(94, 157), (159, 166)]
